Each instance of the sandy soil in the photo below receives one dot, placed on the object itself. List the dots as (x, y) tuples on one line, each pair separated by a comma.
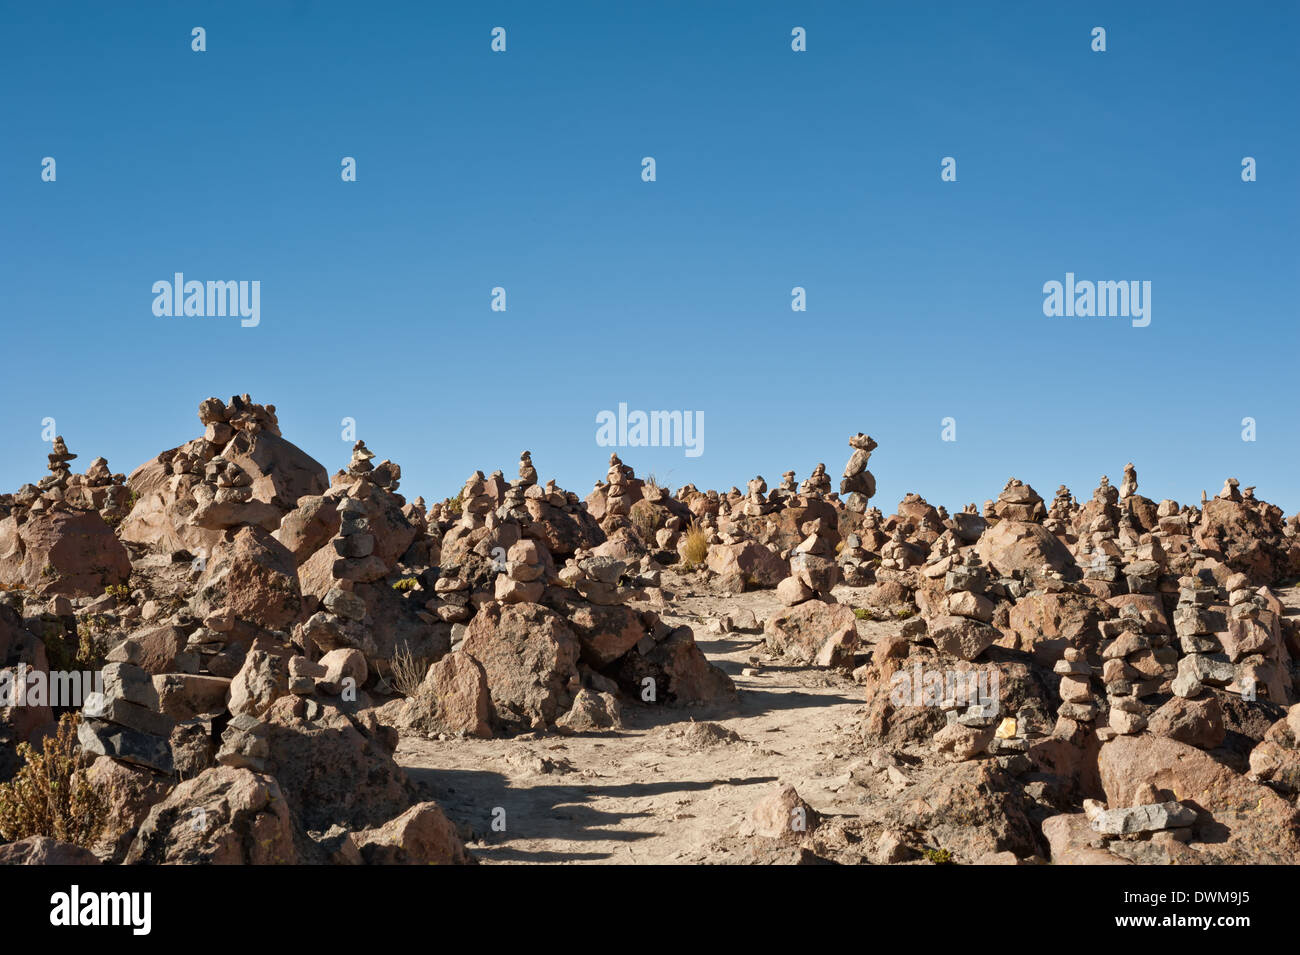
[(661, 790)]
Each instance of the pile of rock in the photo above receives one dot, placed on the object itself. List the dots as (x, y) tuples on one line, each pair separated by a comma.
[(1078, 705), (256, 465), (60, 471), (125, 720), (858, 485), (54, 539), (756, 504), (818, 484), (813, 570), (788, 488), (1019, 502), (857, 565), (1061, 515)]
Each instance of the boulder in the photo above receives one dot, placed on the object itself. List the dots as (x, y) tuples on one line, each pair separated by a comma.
[(309, 526), (591, 712), (814, 632), (223, 816), (183, 696), (751, 561), (61, 551), (262, 680), (1196, 722), (783, 815), (333, 769), (42, 850), (529, 655), (134, 791), (961, 637), (1022, 546), (1239, 821), (255, 577), (605, 633), (452, 698), (420, 836)]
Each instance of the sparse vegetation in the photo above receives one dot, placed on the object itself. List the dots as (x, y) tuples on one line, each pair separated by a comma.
[(120, 591), (51, 796), (938, 856), (406, 583), (89, 653), (862, 613), (408, 671), (647, 519), (696, 547)]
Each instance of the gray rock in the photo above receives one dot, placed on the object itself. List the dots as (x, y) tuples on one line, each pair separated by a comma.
[(121, 742), (1148, 818)]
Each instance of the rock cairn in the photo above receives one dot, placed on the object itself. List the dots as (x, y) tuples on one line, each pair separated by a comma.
[(125, 721), (858, 485), (813, 570), (1019, 502), (818, 484)]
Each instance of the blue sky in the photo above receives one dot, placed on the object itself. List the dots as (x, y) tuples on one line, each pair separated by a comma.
[(775, 169)]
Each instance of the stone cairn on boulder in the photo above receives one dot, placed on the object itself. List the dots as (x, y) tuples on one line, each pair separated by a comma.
[(96, 490), (922, 524), (60, 470), (366, 535), (1060, 516), (818, 484), (101, 490), (1127, 663), (1129, 485), (967, 524), (813, 570), (858, 485), (787, 489), (898, 554), (756, 504), (1019, 502), (1078, 705), (857, 565), (224, 499), (618, 493), (55, 536), (1098, 550), (966, 584)]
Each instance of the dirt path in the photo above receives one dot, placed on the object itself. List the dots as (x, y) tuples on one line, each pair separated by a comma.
[(660, 791)]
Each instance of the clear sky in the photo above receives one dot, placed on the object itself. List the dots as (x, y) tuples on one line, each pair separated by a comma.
[(774, 168)]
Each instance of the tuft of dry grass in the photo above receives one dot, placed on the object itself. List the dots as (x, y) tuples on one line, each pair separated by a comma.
[(408, 671), (51, 796), (696, 547)]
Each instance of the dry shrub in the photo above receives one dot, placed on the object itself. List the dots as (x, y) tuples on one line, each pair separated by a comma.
[(646, 519), (51, 796), (408, 671), (696, 548)]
